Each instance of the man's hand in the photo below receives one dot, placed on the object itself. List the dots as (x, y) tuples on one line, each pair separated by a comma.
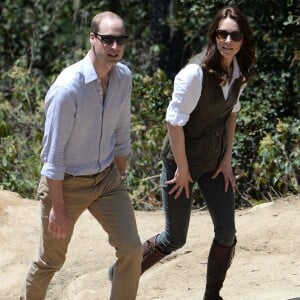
[(58, 223), (58, 218)]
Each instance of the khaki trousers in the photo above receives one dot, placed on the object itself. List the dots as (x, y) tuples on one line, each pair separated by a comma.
[(105, 196)]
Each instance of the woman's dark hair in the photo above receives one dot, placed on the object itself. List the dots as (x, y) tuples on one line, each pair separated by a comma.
[(210, 56)]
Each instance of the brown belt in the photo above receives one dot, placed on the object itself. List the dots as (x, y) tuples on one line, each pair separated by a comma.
[(89, 175), (67, 175)]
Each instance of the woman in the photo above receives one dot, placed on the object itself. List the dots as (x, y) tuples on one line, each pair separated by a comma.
[(201, 120)]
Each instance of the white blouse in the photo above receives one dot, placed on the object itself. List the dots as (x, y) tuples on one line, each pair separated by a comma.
[(187, 91)]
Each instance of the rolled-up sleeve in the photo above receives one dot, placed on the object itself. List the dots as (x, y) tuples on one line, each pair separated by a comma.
[(60, 111), (186, 93), (123, 142), (237, 106)]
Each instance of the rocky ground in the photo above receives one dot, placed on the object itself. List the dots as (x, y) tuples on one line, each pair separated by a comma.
[(266, 264)]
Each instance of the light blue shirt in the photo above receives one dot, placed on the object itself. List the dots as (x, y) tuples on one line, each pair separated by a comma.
[(84, 131)]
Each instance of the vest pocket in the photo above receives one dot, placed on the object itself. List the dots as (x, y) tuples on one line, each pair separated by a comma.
[(196, 151), (205, 152)]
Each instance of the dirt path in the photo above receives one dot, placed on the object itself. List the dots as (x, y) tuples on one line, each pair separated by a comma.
[(266, 265)]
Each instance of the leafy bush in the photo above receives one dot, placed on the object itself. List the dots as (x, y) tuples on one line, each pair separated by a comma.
[(21, 120), (277, 166), (41, 38), (150, 97)]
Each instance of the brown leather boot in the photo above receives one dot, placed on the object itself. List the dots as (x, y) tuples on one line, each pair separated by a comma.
[(219, 261), (152, 254)]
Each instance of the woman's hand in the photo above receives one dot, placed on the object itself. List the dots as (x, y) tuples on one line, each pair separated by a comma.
[(181, 181), (226, 169)]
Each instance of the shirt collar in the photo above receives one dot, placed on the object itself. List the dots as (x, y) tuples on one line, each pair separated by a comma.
[(236, 69), (89, 70)]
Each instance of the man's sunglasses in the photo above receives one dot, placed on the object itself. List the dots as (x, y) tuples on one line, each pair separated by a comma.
[(234, 35), (109, 39)]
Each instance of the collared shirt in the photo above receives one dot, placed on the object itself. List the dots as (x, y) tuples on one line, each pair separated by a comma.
[(84, 131), (187, 92)]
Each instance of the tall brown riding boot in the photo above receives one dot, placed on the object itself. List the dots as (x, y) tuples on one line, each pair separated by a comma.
[(152, 254), (219, 261)]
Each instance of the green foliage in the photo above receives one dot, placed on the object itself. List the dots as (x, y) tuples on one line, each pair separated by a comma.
[(150, 97), (40, 38), (277, 166), (271, 165), (21, 120), (19, 165)]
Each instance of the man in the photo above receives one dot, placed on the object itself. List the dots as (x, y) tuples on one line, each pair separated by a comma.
[(85, 145)]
